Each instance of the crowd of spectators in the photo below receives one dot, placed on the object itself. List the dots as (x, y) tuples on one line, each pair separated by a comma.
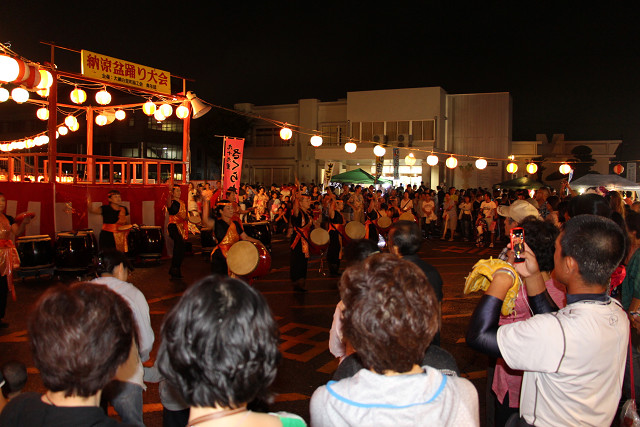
[(561, 357)]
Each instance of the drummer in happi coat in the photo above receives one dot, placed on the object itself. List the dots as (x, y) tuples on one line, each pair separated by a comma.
[(301, 221), (373, 214), (9, 259), (227, 231), (115, 222), (178, 230), (336, 235)]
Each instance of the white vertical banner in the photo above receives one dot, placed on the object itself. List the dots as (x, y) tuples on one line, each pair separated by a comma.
[(631, 171)]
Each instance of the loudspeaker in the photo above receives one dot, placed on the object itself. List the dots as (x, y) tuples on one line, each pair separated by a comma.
[(199, 108)]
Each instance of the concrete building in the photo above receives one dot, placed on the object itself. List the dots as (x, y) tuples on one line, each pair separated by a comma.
[(417, 120), (596, 153)]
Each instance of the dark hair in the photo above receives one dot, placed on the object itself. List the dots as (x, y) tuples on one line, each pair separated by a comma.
[(591, 204), (15, 375), (112, 193), (358, 250), (391, 315), (109, 259), (220, 344), (553, 201), (541, 237), (596, 243), (220, 206), (633, 222), (79, 336), (405, 235)]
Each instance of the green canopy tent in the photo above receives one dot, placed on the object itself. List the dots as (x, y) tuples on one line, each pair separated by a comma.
[(522, 183), (358, 176)]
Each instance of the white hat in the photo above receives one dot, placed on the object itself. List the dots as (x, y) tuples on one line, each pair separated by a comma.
[(518, 211)]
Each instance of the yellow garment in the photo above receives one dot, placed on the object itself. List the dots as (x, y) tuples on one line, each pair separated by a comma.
[(481, 276)]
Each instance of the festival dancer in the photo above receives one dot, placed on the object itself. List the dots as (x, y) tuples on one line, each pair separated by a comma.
[(178, 229), (115, 219), (227, 231), (336, 232), (301, 223), (9, 260), (372, 216)]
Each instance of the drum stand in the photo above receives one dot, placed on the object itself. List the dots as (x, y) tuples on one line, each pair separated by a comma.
[(23, 273)]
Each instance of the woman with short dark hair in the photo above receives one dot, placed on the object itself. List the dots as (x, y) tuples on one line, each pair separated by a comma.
[(390, 318), (220, 350), (80, 335)]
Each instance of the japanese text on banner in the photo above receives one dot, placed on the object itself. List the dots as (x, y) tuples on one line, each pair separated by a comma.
[(232, 163), (126, 73)]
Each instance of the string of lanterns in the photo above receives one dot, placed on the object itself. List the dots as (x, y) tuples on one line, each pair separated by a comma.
[(29, 77), (432, 160)]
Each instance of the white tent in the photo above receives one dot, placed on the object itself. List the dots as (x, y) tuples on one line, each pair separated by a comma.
[(610, 182)]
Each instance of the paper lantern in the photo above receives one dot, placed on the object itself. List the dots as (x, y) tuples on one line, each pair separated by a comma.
[(31, 78), (618, 169), (286, 134), (43, 113), (564, 168), (379, 150), (43, 92), (4, 94), (512, 167), (78, 96), (451, 162), (74, 127), (350, 147), (166, 110), (103, 97), (9, 68), (149, 108), (19, 95), (46, 80), (432, 160), (410, 159), (63, 130), (481, 163), (101, 120), (70, 121), (532, 168), (120, 115), (159, 116), (182, 112), (316, 140)]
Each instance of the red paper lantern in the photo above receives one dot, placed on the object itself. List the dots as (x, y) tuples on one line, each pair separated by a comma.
[(618, 169)]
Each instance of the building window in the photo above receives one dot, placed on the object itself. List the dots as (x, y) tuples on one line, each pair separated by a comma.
[(160, 151), (333, 133), (166, 125), (395, 131)]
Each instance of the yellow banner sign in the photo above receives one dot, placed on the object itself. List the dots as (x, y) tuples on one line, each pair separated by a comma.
[(125, 73)]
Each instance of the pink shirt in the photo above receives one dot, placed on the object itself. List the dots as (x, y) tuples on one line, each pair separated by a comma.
[(509, 380)]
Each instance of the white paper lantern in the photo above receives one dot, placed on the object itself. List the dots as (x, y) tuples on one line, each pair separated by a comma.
[(286, 134), (379, 150), (451, 162), (20, 95), (481, 163), (316, 140), (350, 147)]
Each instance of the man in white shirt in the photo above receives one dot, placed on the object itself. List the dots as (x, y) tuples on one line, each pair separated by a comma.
[(574, 358), (488, 209), (125, 393)]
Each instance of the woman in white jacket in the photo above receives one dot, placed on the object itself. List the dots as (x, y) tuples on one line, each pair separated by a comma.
[(391, 315)]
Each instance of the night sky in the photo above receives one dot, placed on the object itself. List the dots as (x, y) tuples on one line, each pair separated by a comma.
[(571, 69)]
